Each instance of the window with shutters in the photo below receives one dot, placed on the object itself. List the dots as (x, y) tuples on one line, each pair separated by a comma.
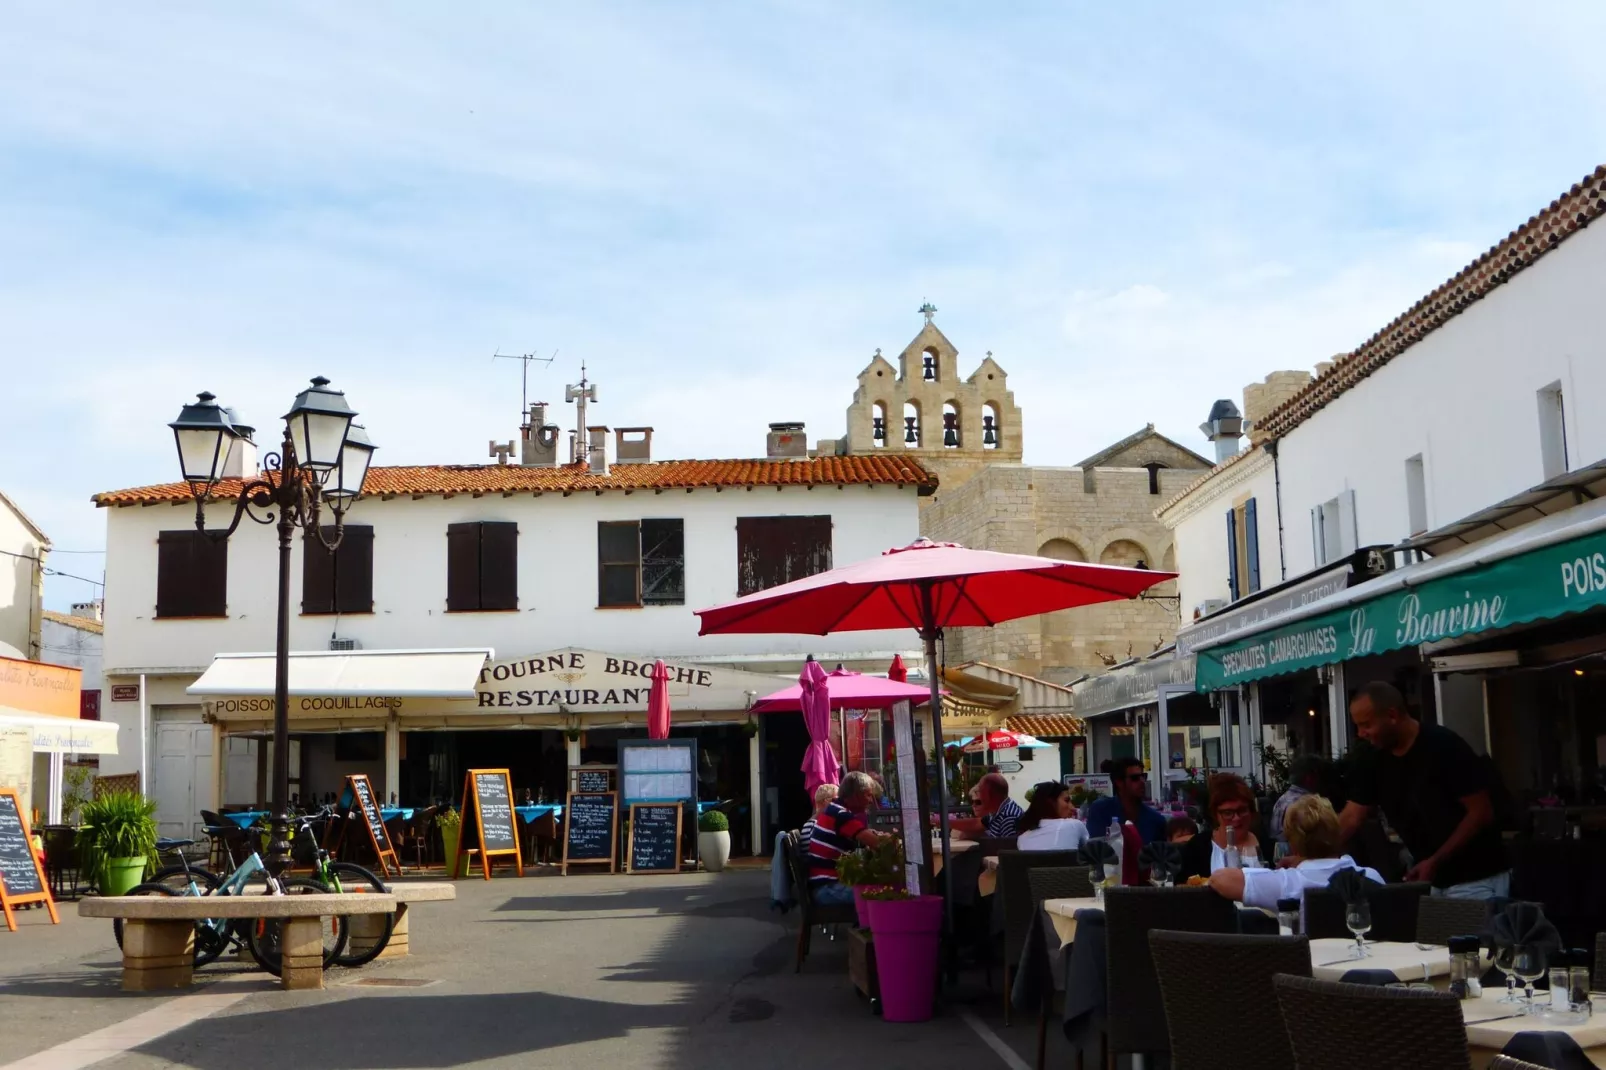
[(482, 566), (1334, 531), (1243, 550), (192, 574), (772, 550), (641, 563), (339, 580)]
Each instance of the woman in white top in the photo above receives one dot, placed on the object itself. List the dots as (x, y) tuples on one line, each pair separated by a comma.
[(1312, 830), (1047, 824)]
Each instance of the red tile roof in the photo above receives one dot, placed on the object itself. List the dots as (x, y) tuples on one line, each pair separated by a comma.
[(1046, 725), (1564, 217), (450, 480)]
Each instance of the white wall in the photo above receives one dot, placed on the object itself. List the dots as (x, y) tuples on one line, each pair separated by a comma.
[(557, 576), (65, 645), (1464, 398), (19, 575), (1199, 523)]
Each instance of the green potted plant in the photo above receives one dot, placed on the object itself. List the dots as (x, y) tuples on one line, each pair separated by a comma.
[(870, 869), (908, 932), (450, 822), (120, 827), (713, 840)]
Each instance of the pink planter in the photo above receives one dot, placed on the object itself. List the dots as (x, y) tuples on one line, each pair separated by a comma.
[(908, 938), (861, 904)]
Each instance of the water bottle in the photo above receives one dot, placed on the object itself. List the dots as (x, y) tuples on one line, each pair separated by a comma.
[(1288, 917), (1113, 837), (1234, 861)]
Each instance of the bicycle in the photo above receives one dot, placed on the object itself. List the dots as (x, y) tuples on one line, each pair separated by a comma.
[(357, 880), (215, 935)]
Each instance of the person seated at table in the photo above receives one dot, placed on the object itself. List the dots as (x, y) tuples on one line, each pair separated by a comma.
[(1313, 835), (1127, 780), (781, 897), (1049, 823), (1180, 830), (1231, 806), (822, 798), (997, 815), (838, 829)]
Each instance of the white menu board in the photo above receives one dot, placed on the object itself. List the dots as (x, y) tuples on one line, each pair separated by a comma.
[(657, 772)]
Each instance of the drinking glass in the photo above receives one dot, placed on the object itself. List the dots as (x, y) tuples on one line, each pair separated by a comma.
[(1528, 963), (1358, 918), (1504, 953), (1280, 852)]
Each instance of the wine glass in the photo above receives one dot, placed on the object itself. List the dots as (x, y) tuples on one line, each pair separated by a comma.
[(1504, 953), (1528, 963), (1358, 919)]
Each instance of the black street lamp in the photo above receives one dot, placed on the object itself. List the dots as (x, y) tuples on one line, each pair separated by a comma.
[(322, 462)]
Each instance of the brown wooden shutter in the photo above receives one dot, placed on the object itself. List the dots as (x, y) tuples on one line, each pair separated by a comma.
[(317, 574), (772, 550), (499, 565), (462, 567), (354, 571), (173, 590), (192, 574), (211, 557)]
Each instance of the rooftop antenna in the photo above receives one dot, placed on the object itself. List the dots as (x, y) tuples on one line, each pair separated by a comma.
[(580, 393), (527, 359)]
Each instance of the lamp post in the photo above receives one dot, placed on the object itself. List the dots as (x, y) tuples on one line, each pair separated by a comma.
[(321, 463)]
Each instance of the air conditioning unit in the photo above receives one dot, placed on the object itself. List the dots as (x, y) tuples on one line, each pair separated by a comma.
[(336, 643), (1209, 606)]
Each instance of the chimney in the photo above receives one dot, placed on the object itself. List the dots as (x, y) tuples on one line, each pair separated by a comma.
[(89, 610), (787, 442), (538, 440), (1260, 399), (241, 463), (1224, 427), (597, 449), (635, 449)]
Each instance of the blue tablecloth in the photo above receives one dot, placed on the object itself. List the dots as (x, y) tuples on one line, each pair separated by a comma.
[(246, 818), (536, 811)]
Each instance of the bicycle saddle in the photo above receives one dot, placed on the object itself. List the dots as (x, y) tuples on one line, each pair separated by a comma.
[(170, 845)]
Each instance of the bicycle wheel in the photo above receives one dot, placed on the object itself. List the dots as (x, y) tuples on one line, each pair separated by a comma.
[(349, 878), (178, 879), (263, 933), (207, 941)]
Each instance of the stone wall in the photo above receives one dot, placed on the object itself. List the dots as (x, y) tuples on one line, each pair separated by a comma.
[(1104, 515), (1262, 397)]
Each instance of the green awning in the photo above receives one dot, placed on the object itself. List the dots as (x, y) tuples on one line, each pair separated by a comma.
[(1494, 584)]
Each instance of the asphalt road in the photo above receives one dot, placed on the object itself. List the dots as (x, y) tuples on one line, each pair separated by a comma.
[(561, 972)]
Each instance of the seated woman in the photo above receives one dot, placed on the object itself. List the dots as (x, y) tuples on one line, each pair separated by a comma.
[(1231, 806), (1180, 830), (1047, 824), (1312, 830)]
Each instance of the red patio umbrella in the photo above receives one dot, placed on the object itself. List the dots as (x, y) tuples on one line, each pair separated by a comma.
[(1001, 739), (658, 702), (897, 670), (928, 586)]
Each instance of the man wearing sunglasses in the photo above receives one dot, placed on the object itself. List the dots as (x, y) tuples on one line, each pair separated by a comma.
[(1127, 779)]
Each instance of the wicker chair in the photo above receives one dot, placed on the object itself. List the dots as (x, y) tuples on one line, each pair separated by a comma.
[(1054, 882), (809, 912), (1600, 960), (1439, 917), (1337, 1026), (1130, 914), (1394, 908), (1209, 978), (1014, 895), (1506, 1062), (415, 835)]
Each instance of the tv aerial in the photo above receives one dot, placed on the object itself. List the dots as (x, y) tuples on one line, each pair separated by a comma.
[(526, 359)]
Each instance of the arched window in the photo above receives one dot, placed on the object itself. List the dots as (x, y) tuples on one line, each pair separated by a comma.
[(928, 366), (878, 424), (950, 425), (992, 433), (911, 424), (1061, 550)]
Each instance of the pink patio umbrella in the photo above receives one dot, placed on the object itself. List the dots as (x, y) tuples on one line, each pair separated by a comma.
[(658, 702), (848, 691), (928, 586), (819, 760)]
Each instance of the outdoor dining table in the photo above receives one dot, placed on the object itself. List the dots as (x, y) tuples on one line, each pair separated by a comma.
[(1491, 1027), (1333, 957), (535, 811)]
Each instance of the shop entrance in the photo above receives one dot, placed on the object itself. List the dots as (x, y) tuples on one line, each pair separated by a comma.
[(433, 763)]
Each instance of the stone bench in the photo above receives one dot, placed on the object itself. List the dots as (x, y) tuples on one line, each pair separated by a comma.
[(159, 931), (366, 929)]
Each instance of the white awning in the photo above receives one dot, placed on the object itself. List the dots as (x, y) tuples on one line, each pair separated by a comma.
[(64, 735), (350, 674)]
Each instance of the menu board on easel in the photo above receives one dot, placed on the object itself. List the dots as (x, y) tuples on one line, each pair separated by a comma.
[(22, 879), (654, 838), (488, 821), (357, 802), (591, 830), (592, 778)]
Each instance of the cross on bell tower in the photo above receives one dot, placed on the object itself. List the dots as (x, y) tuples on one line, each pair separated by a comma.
[(928, 310)]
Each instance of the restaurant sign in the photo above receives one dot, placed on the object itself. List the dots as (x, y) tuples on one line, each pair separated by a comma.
[(1549, 582), (1233, 619), (585, 681), (1131, 685)]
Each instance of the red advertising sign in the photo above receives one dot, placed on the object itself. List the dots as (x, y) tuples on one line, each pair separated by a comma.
[(89, 705)]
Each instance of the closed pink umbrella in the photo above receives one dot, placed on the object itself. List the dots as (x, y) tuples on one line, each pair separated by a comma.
[(658, 702), (897, 670), (819, 761)]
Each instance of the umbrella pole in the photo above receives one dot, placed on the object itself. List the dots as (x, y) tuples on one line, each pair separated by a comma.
[(930, 636)]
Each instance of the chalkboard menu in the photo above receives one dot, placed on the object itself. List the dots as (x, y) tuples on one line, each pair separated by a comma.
[(488, 825), (590, 780), (359, 797), (654, 838), (21, 879), (591, 829)]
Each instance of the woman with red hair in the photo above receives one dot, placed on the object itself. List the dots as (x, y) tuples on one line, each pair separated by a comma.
[(1231, 806)]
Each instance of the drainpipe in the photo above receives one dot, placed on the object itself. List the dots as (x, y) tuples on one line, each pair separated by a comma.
[(1277, 482)]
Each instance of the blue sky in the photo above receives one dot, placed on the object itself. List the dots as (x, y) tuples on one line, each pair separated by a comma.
[(725, 208)]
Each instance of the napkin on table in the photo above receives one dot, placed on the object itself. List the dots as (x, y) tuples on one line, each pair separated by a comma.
[(1350, 884), (1524, 923), (1161, 858), (1098, 854)]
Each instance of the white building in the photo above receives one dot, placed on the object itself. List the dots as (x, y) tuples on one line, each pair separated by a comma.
[(75, 639), (573, 577), (1472, 413), (23, 551)]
